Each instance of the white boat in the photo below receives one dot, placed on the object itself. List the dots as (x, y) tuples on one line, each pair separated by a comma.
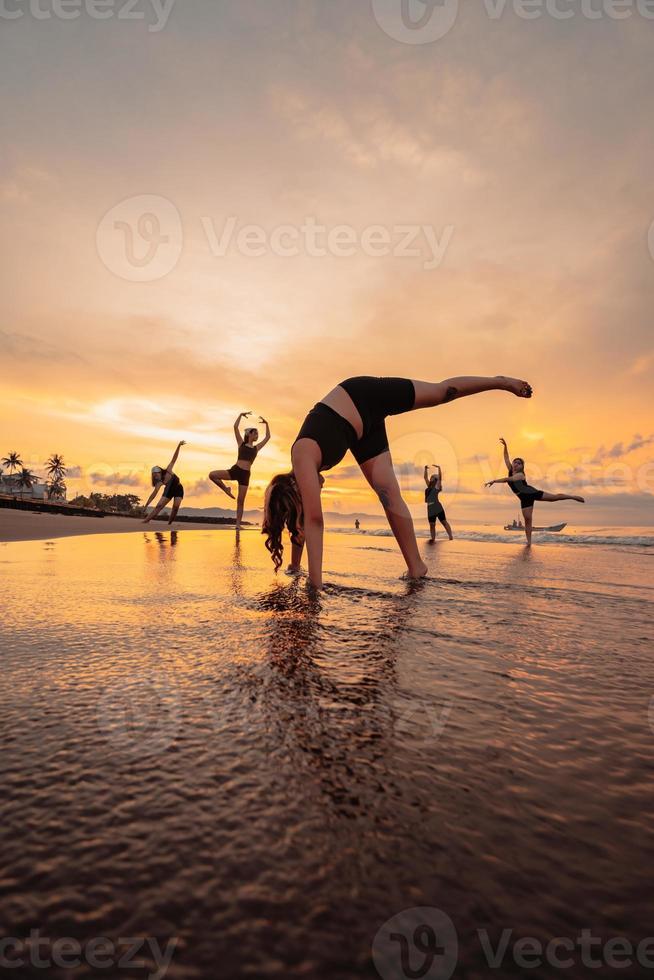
[(519, 526)]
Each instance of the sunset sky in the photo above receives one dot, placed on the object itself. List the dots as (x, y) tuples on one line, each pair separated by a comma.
[(524, 147)]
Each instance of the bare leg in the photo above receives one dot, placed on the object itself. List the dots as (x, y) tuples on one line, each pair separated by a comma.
[(217, 477), (157, 510), (242, 494), (432, 528), (446, 524), (306, 458), (173, 514), (552, 497), (528, 514), (380, 475), (429, 394)]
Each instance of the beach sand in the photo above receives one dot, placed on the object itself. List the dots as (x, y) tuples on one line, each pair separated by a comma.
[(197, 749), (21, 525)]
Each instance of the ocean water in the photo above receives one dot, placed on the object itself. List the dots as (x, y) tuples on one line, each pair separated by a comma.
[(388, 779)]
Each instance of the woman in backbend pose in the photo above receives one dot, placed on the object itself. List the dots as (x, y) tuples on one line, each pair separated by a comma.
[(166, 480), (517, 481), (352, 416), (248, 449), (435, 509)]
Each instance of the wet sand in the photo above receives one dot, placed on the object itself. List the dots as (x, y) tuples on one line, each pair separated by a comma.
[(197, 750), (21, 525)]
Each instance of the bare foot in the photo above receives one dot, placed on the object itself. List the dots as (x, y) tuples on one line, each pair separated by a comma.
[(522, 389), (579, 499), (420, 572)]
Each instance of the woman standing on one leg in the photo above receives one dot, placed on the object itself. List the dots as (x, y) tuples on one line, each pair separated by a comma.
[(517, 481), (352, 416), (248, 449), (166, 480), (435, 509)]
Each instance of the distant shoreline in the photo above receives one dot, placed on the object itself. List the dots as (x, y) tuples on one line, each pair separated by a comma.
[(43, 522)]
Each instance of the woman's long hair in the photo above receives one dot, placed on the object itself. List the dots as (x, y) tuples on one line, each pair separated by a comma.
[(159, 477), (282, 509)]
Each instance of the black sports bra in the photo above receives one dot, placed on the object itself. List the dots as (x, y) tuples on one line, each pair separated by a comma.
[(247, 452)]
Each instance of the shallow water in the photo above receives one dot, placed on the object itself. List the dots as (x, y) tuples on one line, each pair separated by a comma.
[(193, 748)]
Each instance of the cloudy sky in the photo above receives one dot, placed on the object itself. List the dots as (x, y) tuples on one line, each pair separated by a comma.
[(208, 207)]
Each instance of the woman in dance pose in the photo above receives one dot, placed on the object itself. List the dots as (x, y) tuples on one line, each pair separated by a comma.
[(248, 449), (517, 481), (435, 509), (352, 416), (166, 480)]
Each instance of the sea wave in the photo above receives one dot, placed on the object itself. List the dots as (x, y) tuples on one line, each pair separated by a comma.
[(513, 537)]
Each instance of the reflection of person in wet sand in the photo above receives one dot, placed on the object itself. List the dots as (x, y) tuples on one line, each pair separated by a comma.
[(169, 482), (353, 416), (435, 509), (528, 495), (248, 449)]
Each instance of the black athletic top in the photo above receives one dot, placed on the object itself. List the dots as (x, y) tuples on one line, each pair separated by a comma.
[(247, 452), (521, 487), (173, 488), (431, 496)]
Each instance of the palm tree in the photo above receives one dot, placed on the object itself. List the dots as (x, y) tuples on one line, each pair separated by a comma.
[(56, 467), (57, 489), (12, 461), (26, 480)]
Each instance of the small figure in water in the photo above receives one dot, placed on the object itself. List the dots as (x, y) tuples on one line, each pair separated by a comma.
[(517, 481), (248, 449), (353, 416), (435, 509), (166, 480), (357, 523)]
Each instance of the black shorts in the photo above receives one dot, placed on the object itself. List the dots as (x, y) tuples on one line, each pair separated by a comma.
[(436, 515), (241, 476), (529, 499), (173, 490), (375, 399)]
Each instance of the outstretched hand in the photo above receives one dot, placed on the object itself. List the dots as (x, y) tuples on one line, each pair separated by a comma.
[(490, 483), (503, 441)]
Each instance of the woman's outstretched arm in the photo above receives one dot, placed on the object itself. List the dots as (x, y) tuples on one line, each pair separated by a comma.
[(171, 464), (507, 458), (504, 479), (239, 437), (440, 477), (153, 495), (426, 475), (266, 438)]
